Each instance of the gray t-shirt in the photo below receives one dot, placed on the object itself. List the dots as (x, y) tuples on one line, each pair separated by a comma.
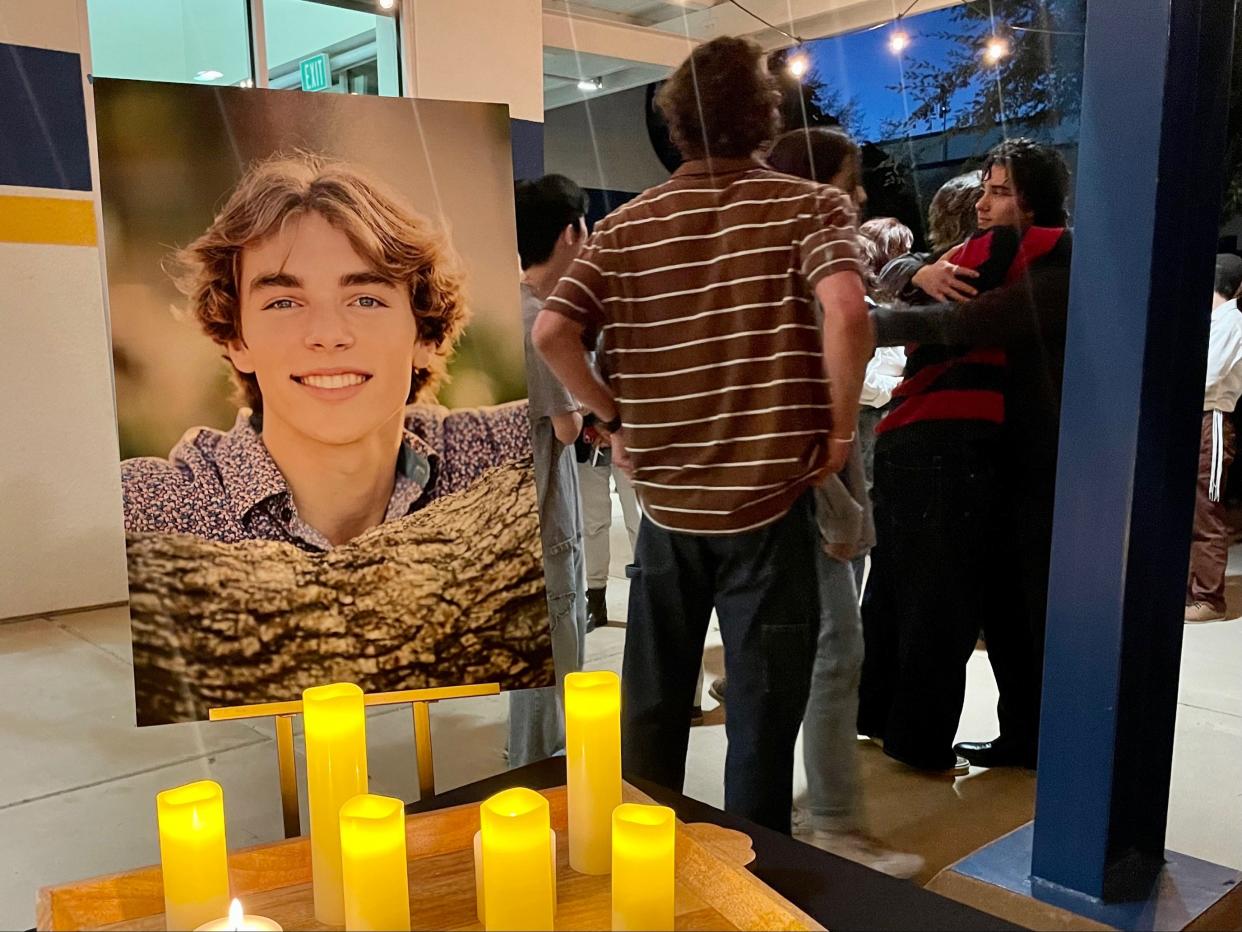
[(556, 470)]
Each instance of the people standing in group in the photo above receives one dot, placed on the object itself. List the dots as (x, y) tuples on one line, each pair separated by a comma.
[(716, 401), (965, 474), (831, 813), (1209, 547), (551, 230)]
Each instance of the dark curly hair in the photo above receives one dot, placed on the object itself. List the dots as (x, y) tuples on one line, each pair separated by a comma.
[(1039, 175), (721, 101), (393, 238)]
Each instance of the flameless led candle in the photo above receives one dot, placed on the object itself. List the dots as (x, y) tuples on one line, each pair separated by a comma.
[(480, 909), (518, 881), (592, 766), (194, 858), (238, 921), (336, 772), (373, 864), (642, 867)]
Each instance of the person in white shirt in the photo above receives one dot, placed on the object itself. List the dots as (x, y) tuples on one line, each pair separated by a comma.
[(1209, 546)]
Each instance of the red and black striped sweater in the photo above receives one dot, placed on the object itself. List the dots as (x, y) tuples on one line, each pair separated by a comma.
[(962, 386)]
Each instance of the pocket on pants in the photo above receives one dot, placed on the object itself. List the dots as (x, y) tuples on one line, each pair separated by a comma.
[(788, 656)]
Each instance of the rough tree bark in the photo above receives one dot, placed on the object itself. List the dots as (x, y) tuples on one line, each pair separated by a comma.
[(452, 594)]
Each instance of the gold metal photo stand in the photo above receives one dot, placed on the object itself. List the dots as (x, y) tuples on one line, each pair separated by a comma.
[(420, 701)]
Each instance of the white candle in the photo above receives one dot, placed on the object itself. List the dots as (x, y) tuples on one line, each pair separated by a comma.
[(238, 921)]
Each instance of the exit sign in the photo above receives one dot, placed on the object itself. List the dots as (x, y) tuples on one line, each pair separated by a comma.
[(316, 75)]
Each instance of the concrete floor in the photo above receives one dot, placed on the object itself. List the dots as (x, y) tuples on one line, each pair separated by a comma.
[(78, 780)]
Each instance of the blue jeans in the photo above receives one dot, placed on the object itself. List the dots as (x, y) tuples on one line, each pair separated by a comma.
[(769, 621), (536, 716), (829, 735)]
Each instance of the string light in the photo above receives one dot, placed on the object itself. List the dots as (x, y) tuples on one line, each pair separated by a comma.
[(387, 4), (798, 65), (996, 49), (898, 41)]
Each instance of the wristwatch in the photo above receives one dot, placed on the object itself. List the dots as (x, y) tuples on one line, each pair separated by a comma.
[(614, 425)]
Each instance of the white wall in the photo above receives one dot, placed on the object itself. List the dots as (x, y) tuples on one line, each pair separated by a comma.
[(61, 540), (602, 143)]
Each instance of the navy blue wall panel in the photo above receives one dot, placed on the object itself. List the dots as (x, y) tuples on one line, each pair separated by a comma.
[(43, 142)]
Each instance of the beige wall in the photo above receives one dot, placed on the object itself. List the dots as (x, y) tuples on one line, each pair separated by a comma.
[(61, 544), (486, 50)]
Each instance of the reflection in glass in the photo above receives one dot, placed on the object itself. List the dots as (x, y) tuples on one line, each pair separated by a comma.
[(359, 42), (202, 41)]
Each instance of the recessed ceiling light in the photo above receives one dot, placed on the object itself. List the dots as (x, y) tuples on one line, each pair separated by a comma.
[(209, 75)]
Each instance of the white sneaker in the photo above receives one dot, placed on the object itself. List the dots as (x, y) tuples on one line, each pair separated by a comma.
[(865, 850)]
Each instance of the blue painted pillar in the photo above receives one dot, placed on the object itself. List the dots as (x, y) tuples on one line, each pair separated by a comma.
[(1156, 77)]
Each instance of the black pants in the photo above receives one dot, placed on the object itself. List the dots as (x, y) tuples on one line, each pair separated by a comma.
[(934, 579), (1015, 632), (763, 585)]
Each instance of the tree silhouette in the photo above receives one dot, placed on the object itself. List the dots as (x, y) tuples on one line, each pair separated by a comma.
[(1039, 80), (811, 102)]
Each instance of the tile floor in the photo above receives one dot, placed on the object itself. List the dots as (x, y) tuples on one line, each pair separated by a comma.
[(78, 781)]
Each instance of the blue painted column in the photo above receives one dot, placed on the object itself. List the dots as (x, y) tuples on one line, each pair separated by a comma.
[(1150, 173)]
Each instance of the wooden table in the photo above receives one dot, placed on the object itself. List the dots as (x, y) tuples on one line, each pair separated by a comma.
[(837, 893)]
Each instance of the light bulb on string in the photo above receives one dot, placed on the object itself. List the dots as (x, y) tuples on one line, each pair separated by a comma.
[(996, 49), (798, 65), (898, 41)]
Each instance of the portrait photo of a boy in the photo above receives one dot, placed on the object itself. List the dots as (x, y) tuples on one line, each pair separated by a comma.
[(326, 467)]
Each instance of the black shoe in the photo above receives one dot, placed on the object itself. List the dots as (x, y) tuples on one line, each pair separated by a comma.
[(597, 609), (717, 689), (997, 753)]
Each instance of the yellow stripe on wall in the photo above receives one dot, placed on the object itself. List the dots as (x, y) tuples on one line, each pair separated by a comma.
[(51, 220)]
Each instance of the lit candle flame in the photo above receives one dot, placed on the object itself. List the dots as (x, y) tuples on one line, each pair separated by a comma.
[(236, 916)]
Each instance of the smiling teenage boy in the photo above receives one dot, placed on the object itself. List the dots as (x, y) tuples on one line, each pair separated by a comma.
[(337, 307)]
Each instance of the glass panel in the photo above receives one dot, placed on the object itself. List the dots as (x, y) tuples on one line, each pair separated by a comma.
[(361, 45), (204, 41)]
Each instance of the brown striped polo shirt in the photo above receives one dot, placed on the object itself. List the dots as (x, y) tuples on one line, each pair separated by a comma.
[(703, 291)]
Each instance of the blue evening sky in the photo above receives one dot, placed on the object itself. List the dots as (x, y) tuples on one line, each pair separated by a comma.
[(860, 65)]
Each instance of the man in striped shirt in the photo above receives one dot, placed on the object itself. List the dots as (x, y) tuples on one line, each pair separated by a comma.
[(717, 403)]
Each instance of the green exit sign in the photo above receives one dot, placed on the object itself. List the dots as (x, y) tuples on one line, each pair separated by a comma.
[(316, 75)]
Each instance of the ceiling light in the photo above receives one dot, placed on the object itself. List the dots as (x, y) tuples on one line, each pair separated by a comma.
[(898, 41), (387, 4), (209, 74), (798, 65), (996, 49), (591, 84)]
